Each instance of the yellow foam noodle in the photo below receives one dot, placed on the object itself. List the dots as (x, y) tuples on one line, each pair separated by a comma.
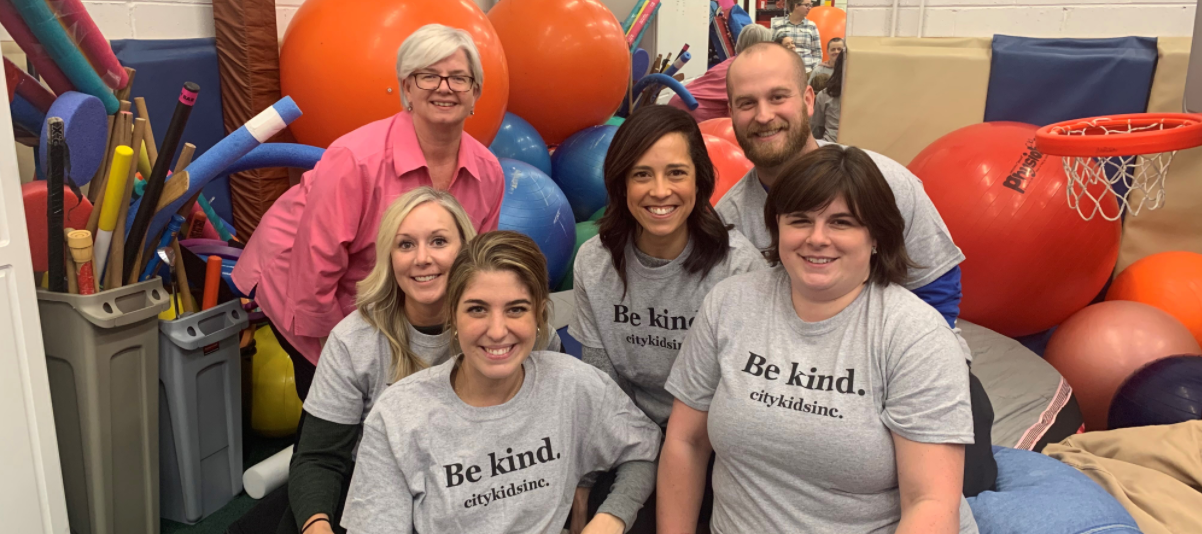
[(144, 163), (122, 157)]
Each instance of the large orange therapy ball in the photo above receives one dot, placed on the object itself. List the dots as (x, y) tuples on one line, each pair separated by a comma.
[(338, 62), (1100, 346), (1030, 260), (831, 22), (1170, 281), (729, 164), (568, 63)]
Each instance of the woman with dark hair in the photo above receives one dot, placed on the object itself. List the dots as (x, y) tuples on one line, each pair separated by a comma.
[(828, 104), (833, 399), (660, 249)]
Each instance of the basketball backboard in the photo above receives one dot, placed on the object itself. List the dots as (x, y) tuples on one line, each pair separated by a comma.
[(1192, 102)]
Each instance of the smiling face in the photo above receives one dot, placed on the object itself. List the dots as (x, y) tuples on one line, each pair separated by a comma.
[(787, 42), (497, 326), (442, 105), (423, 250), (827, 253), (661, 188), (769, 106), (833, 49)]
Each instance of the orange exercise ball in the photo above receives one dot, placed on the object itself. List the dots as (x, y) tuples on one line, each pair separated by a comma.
[(831, 22), (1030, 260), (720, 127), (730, 164), (568, 61), (1170, 281), (338, 62), (1100, 346)]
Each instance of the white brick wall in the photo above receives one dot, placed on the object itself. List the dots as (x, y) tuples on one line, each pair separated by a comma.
[(1029, 18)]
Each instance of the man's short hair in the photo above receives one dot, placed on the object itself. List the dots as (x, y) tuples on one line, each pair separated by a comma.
[(799, 66), (792, 4)]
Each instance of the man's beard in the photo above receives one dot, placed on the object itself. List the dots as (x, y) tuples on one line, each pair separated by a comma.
[(796, 137)]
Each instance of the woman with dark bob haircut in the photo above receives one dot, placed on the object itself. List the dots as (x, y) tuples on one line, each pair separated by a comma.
[(661, 248), (833, 399)]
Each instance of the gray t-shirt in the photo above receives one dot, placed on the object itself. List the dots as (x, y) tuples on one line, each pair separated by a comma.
[(927, 240), (641, 331), (801, 414), (356, 366), (430, 463)]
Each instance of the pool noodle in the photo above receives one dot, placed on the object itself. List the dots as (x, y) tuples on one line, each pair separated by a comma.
[(278, 155), (158, 175), (29, 88), (45, 27), (82, 29), (639, 39), (634, 15), (12, 21), (109, 210), (215, 160), (54, 206), (680, 61), (645, 18), (27, 116)]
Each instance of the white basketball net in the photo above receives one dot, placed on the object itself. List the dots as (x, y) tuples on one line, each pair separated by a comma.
[(1139, 179)]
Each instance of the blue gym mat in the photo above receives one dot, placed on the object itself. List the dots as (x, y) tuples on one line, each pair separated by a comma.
[(1043, 81), (163, 66)]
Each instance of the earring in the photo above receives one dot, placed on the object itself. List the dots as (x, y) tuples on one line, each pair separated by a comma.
[(473, 111), (410, 107), (874, 249)]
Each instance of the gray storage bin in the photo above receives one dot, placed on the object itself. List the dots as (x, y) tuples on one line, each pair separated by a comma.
[(200, 412), (102, 357)]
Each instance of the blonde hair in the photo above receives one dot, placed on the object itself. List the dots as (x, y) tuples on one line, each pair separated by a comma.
[(503, 251), (380, 299), (433, 43)]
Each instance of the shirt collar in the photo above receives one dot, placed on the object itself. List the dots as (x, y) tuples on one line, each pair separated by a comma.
[(407, 153)]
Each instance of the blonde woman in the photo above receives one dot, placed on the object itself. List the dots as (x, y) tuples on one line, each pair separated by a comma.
[(496, 439), (397, 331)]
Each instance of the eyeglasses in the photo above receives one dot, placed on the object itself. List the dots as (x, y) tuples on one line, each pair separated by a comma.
[(430, 82)]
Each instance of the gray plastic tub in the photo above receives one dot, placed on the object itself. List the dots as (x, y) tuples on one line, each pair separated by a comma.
[(102, 357), (200, 412)]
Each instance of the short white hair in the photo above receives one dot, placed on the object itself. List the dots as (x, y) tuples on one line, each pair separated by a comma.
[(433, 43), (752, 34)]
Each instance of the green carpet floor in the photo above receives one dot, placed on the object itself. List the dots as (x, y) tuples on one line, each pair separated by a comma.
[(255, 449)]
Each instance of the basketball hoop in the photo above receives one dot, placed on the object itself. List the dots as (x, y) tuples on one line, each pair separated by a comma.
[(1117, 157)]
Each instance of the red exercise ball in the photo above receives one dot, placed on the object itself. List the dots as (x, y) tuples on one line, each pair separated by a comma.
[(338, 62), (831, 22), (730, 165), (721, 127), (568, 63), (1030, 260), (1170, 281), (1100, 346)]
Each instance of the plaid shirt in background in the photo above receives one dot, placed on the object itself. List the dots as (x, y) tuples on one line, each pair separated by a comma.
[(805, 39)]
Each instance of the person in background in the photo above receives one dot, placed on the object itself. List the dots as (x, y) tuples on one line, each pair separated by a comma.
[(806, 40), (833, 399), (834, 48), (770, 113), (496, 439), (661, 247), (785, 40), (827, 105), (710, 88), (319, 239), (818, 83)]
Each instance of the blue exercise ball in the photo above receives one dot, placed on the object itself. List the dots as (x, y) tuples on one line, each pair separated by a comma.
[(534, 205), (578, 167), (1164, 392), (517, 139)]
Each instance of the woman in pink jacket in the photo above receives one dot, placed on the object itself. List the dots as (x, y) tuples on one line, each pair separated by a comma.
[(318, 240)]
